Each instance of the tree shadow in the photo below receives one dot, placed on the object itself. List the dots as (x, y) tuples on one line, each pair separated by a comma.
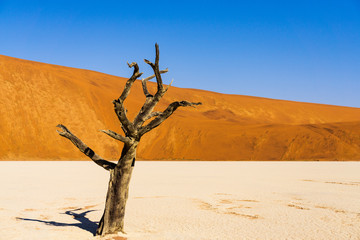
[(84, 222)]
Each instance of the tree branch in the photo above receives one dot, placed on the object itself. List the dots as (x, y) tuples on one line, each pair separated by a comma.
[(130, 81), (119, 108), (120, 111), (164, 115), (117, 136), (168, 85), (85, 149), (144, 82), (151, 101), (155, 68), (151, 115)]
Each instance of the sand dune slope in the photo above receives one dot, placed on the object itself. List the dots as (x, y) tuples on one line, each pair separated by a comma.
[(35, 97)]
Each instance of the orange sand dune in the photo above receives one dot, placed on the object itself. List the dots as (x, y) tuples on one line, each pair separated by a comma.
[(35, 97)]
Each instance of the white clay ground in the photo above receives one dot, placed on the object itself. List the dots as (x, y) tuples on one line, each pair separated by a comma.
[(184, 200)]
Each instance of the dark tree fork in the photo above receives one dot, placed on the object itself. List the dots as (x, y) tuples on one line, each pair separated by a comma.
[(112, 220)]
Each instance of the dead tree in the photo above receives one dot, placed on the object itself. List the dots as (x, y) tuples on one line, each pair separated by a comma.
[(112, 220)]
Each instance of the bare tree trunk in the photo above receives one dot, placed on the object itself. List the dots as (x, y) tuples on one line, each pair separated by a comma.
[(112, 220)]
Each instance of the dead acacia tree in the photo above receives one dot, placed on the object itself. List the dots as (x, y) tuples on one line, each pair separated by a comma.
[(112, 220)]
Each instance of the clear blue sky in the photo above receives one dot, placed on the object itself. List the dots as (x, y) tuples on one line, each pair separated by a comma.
[(295, 50)]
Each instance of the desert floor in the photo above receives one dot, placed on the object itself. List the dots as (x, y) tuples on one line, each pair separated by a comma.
[(185, 200)]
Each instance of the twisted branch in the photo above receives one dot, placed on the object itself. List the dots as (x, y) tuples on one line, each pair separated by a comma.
[(120, 111), (164, 115), (117, 136), (84, 148), (130, 81)]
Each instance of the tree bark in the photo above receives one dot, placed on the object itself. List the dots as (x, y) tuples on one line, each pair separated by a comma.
[(112, 220)]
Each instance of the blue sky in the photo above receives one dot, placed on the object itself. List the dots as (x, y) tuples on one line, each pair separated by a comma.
[(295, 50)]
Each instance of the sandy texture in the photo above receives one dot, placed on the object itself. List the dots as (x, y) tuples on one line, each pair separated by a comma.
[(185, 200), (35, 97)]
